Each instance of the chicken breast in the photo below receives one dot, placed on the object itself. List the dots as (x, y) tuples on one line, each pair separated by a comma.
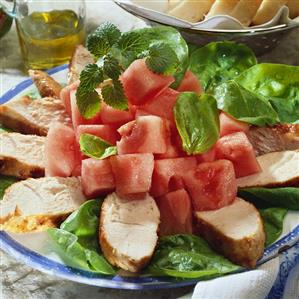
[(279, 169), (128, 231), (81, 57), (273, 139), (45, 84), (29, 116), (37, 204), (22, 156), (236, 231)]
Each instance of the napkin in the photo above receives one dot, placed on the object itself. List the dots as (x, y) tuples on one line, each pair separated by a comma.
[(277, 278)]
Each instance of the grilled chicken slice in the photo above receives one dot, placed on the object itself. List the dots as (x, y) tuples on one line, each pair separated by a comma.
[(279, 169), (29, 116), (236, 231), (46, 85), (273, 139), (128, 231), (81, 57), (22, 156), (37, 204)]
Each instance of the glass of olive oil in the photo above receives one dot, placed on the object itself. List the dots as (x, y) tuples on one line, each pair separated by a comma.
[(49, 30)]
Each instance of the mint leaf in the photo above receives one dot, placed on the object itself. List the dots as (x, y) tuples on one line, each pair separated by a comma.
[(104, 37), (113, 95), (88, 102), (111, 67), (162, 59), (95, 147), (91, 77)]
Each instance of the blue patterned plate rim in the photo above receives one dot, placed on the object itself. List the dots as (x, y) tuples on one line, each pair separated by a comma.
[(46, 265)]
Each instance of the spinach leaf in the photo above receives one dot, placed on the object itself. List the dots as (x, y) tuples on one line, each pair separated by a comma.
[(77, 239), (197, 121), (244, 105), (273, 223), (133, 45), (188, 256), (5, 182), (94, 147), (218, 62), (277, 82), (287, 197)]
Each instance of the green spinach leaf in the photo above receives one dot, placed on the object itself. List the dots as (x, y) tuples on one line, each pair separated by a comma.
[(218, 62), (277, 82), (77, 239), (287, 197), (244, 105), (273, 223), (5, 182), (197, 121), (188, 256)]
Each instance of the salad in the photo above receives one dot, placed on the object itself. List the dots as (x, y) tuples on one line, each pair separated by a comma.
[(158, 157)]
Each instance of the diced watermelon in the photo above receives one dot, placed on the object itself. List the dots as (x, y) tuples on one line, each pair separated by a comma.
[(165, 169), (162, 105), (97, 177), (212, 185), (111, 116), (175, 213), (141, 84), (77, 118), (237, 148), (66, 97), (190, 83), (78, 160), (230, 125), (60, 151), (147, 134), (132, 173), (208, 156), (105, 132), (140, 112)]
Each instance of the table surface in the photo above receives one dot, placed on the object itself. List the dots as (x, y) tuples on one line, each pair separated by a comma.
[(20, 281)]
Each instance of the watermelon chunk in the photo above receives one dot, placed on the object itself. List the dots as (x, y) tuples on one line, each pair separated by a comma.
[(66, 97), (175, 213), (141, 84), (165, 169), (105, 132), (97, 177), (147, 134), (229, 125), (60, 151), (237, 148), (212, 185), (162, 105), (208, 156), (190, 83), (132, 173), (111, 116)]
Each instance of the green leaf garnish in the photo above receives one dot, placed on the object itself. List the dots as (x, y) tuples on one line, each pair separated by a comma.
[(197, 121), (111, 67), (114, 96), (95, 147), (102, 39), (162, 58), (88, 102), (91, 77)]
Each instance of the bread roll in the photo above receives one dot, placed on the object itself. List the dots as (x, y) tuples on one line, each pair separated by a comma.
[(267, 11), (245, 10), (222, 7), (294, 8), (191, 10)]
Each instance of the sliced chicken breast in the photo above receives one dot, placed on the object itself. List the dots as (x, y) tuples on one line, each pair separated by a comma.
[(279, 169), (37, 204), (81, 57), (29, 116), (128, 231), (45, 84), (274, 139), (22, 156), (236, 231)]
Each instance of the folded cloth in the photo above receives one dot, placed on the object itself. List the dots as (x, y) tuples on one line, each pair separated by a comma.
[(275, 279)]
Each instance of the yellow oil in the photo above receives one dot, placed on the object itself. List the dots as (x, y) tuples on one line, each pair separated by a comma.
[(48, 39)]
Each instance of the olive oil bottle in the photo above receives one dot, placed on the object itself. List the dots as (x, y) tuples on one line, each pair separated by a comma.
[(48, 38)]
